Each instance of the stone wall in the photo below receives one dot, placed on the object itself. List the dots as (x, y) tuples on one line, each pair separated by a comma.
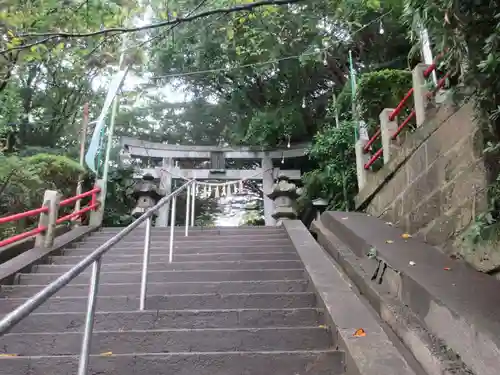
[(436, 183)]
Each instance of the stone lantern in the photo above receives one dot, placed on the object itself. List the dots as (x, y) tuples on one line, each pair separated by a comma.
[(284, 195), (320, 205), (125, 157), (147, 195)]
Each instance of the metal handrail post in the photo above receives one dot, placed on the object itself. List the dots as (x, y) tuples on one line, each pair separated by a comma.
[(193, 201), (172, 226), (188, 197), (89, 317), (145, 264)]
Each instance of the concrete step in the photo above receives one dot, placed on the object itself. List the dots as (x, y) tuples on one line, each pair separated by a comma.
[(180, 229), (215, 240), (181, 266), (173, 302), (132, 289), (163, 319), (328, 362), (192, 236), (170, 340), (113, 257), (187, 245), (199, 248), (170, 276)]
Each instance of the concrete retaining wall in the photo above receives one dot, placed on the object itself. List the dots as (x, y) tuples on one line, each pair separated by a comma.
[(436, 183)]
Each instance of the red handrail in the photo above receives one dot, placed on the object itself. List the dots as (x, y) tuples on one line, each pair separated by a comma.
[(7, 219), (433, 66), (373, 158), (76, 213), (401, 104), (22, 215), (368, 145), (403, 124), (441, 83), (68, 201), (22, 236)]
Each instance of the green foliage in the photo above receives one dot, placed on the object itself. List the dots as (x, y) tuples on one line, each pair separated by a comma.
[(381, 89), (119, 199), (205, 210), (268, 76), (120, 202), (23, 182), (57, 172), (306, 47), (335, 177), (254, 213), (483, 229)]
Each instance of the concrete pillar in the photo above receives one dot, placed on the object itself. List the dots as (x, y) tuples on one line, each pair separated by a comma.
[(420, 92), (267, 186), (97, 216), (165, 189), (48, 219), (387, 129), (361, 160)]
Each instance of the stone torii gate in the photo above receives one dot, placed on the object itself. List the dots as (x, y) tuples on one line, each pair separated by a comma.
[(167, 170)]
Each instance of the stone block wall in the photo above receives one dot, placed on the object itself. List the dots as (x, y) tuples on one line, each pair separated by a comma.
[(436, 183)]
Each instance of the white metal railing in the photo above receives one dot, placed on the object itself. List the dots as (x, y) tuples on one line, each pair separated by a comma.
[(94, 259)]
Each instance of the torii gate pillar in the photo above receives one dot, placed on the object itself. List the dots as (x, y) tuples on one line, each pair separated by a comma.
[(165, 189), (267, 187)]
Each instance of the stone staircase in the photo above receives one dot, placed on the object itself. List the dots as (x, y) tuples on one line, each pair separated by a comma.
[(234, 301)]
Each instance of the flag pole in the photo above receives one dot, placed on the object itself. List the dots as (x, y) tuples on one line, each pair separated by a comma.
[(111, 130)]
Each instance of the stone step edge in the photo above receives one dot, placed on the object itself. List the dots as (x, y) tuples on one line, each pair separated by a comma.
[(189, 262), (173, 271), (165, 311), (140, 246), (8, 287), (186, 255), (166, 330), (196, 239), (173, 354), (209, 235), (175, 295)]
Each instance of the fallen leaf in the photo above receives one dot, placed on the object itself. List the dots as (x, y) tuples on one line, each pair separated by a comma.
[(389, 241), (411, 263), (406, 236), (360, 333), (372, 253), (106, 354), (7, 355)]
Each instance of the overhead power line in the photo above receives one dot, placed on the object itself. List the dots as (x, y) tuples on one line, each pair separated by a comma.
[(260, 63), (49, 36)]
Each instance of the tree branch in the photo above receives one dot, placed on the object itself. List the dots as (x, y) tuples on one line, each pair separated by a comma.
[(163, 34), (52, 35), (252, 186)]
